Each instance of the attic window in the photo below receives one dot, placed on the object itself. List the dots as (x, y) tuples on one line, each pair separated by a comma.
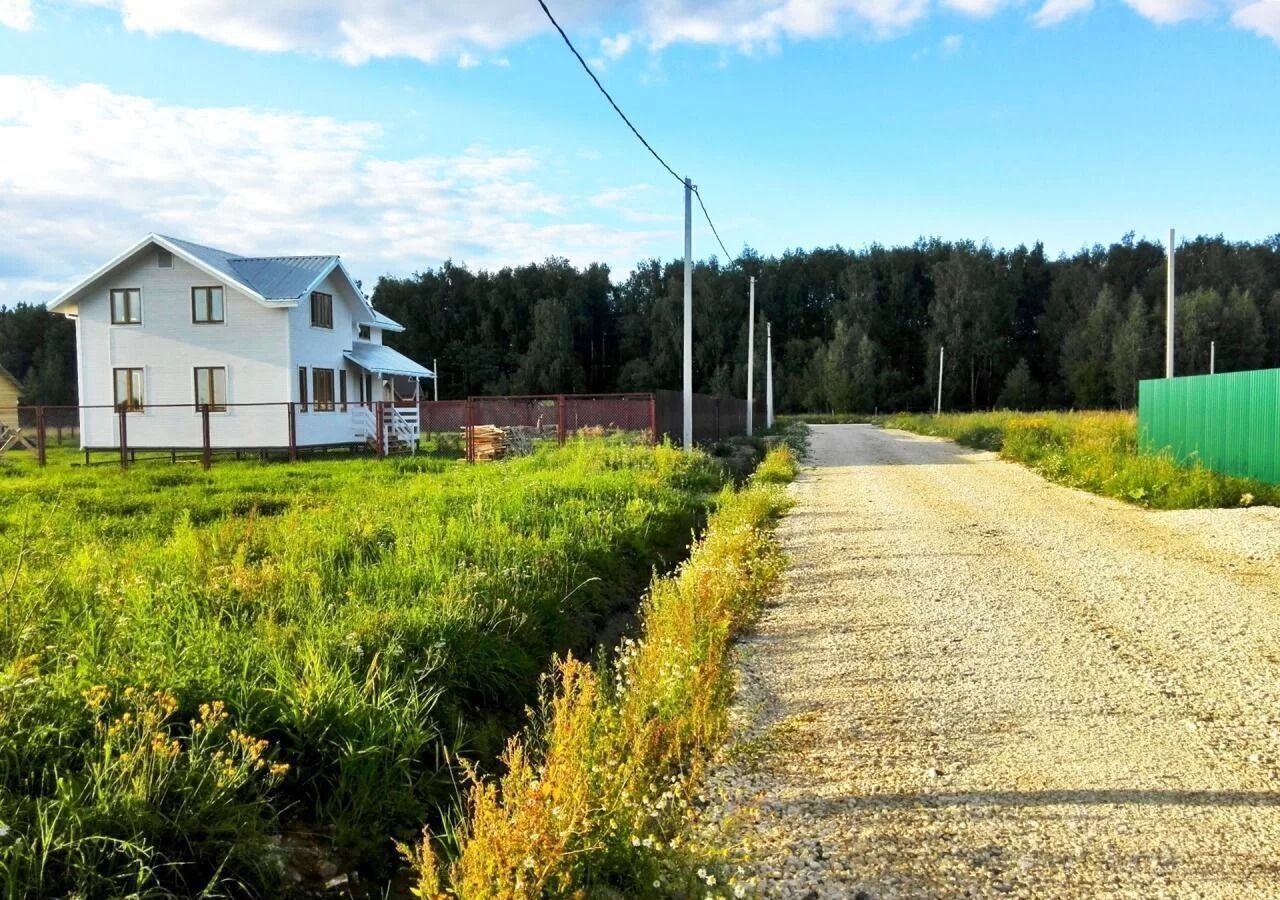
[(321, 310), (164, 259), (365, 332)]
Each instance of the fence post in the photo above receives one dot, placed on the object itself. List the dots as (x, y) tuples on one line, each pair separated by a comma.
[(653, 419), (40, 435), (207, 458), (717, 417), (124, 437), (561, 418), (379, 414), (469, 427), (293, 433)]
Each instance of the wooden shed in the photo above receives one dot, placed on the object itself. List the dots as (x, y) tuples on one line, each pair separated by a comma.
[(10, 392)]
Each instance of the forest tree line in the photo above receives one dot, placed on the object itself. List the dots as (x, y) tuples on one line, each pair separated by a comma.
[(854, 330)]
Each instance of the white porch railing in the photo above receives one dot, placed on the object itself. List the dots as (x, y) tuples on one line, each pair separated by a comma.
[(364, 423), (400, 426)]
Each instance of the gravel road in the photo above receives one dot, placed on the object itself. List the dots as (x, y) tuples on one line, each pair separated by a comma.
[(977, 683)]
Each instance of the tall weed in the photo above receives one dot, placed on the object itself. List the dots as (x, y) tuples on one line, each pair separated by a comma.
[(599, 790), (1094, 451), (367, 620)]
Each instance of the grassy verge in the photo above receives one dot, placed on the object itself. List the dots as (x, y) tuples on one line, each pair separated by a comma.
[(596, 797), (230, 681), (1096, 451)]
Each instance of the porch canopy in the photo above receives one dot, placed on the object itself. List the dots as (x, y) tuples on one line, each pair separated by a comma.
[(382, 360)]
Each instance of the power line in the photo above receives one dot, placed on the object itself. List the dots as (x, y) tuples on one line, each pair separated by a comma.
[(592, 75), (586, 68), (727, 255)]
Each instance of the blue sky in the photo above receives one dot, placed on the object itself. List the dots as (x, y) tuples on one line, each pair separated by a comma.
[(400, 136)]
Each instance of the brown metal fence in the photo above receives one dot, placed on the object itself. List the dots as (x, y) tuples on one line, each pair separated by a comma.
[(714, 418), (561, 415), (442, 416), (261, 428)]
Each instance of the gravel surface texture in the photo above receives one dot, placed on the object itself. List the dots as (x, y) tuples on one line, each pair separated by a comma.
[(976, 683)]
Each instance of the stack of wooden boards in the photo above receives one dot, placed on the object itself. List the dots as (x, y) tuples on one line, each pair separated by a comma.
[(489, 442)]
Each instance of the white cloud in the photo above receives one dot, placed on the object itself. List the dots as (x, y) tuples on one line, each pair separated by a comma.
[(352, 30), (752, 24), (1262, 17), (1170, 12), (468, 31), (16, 14), (1056, 11), (614, 48), (979, 9), (260, 181), (951, 44), (615, 196)]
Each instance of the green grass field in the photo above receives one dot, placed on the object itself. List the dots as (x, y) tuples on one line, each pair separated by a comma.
[(1096, 451), (225, 681)]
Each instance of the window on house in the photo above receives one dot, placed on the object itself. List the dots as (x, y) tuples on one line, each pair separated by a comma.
[(365, 332), (302, 388), (322, 382), (321, 310), (126, 306), (206, 305), (128, 390), (211, 388), (164, 259), (342, 389)]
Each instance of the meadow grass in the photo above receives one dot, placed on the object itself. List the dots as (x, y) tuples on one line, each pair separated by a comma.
[(1095, 451), (209, 678), (598, 795)]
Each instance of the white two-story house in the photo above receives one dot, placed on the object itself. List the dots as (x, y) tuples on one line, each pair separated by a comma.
[(282, 350)]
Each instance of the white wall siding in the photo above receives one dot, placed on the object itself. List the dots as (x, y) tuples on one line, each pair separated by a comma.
[(252, 345), (323, 348)]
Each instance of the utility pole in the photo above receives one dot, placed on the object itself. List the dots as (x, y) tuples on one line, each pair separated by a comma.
[(688, 315), (435, 379), (751, 356), (768, 375), (1213, 357), (1169, 313), (942, 355)]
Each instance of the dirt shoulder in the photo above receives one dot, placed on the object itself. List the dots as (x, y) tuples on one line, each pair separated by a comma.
[(977, 683)]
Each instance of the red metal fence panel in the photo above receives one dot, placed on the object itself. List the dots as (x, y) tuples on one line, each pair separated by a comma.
[(442, 416)]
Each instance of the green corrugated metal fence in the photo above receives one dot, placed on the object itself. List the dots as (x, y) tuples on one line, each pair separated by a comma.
[(1230, 422)]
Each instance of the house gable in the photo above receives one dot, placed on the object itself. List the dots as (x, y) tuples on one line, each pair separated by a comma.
[(68, 301), (168, 343)]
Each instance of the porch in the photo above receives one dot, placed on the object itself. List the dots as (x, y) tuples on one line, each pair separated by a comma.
[(387, 415)]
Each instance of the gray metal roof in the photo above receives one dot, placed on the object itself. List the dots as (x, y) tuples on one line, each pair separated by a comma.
[(282, 277), (273, 277), (386, 322), (384, 361)]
